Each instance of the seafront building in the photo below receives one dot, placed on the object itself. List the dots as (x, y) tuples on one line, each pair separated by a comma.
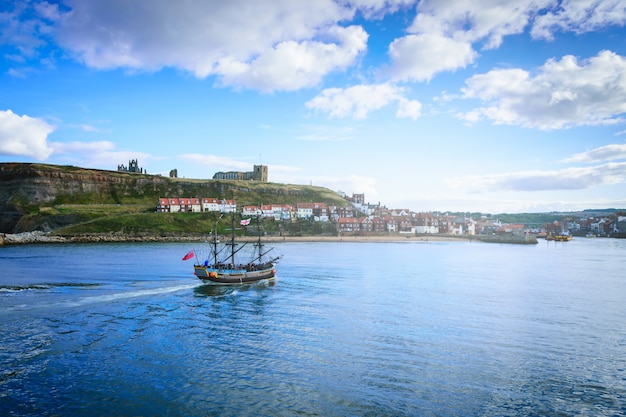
[(348, 219), (360, 218), (195, 205)]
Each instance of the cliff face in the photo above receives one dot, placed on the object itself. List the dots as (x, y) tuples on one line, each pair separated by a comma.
[(23, 186), (40, 184)]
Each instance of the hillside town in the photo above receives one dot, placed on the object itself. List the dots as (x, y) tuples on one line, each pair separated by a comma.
[(361, 218)]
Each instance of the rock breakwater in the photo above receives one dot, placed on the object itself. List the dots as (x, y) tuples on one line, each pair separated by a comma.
[(28, 238), (42, 237)]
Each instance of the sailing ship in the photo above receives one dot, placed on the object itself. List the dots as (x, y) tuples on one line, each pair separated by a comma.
[(224, 264)]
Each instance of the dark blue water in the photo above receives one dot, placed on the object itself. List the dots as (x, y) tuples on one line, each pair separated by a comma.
[(359, 329)]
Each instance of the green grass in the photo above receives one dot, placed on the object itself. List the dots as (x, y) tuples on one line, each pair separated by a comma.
[(137, 223), (126, 202), (167, 224), (100, 209)]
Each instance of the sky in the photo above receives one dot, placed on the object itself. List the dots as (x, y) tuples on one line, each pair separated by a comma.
[(441, 105)]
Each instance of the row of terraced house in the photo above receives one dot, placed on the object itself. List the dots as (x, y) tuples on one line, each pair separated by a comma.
[(315, 211), (195, 205)]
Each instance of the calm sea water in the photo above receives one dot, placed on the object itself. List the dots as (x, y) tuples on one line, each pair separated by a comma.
[(348, 329)]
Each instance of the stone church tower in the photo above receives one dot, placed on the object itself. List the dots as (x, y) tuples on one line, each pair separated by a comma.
[(260, 173)]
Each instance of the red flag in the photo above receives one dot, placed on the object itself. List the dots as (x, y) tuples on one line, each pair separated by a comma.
[(188, 256), (245, 222)]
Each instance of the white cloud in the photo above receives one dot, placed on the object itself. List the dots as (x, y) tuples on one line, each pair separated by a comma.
[(563, 93), (283, 44), (505, 203), (420, 57), (442, 35), (445, 33), (89, 128), (215, 163), (47, 11), (409, 109), (604, 153), (24, 136), (352, 183), (84, 127), (283, 169), (286, 44), (376, 8), (323, 138), (348, 184), (292, 65), (579, 17), (218, 163), (26, 28), (82, 147), (101, 154), (565, 179), (110, 159), (18, 73), (476, 20), (357, 101)]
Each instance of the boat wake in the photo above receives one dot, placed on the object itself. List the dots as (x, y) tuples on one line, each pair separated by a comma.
[(44, 286), (127, 294), (16, 303)]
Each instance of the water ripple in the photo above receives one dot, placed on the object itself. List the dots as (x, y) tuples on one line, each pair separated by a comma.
[(446, 330)]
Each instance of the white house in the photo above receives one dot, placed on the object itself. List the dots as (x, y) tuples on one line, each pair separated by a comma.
[(174, 205), (304, 210), (211, 204)]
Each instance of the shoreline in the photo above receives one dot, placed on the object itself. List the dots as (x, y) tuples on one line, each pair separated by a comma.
[(38, 237)]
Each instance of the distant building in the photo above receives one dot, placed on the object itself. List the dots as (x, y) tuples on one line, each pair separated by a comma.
[(195, 205), (133, 166), (358, 202), (259, 173), (357, 199)]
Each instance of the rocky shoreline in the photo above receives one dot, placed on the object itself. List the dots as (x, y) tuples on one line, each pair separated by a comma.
[(42, 237), (38, 237), (28, 238)]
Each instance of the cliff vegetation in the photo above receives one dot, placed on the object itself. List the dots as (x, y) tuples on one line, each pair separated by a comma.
[(69, 199)]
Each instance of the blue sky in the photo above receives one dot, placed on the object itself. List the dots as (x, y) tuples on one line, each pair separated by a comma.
[(492, 106)]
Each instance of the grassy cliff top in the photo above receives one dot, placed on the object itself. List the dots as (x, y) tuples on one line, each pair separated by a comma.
[(51, 197), (114, 187)]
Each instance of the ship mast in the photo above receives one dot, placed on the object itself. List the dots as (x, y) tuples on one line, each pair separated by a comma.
[(259, 244), (215, 252)]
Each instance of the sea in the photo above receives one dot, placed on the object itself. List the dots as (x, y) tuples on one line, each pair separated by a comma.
[(415, 328)]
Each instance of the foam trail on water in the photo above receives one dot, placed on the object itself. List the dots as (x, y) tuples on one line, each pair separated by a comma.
[(130, 294)]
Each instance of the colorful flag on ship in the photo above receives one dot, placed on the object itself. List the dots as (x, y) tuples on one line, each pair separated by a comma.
[(188, 256), (245, 222)]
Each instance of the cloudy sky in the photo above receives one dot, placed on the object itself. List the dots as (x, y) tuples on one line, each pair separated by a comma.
[(478, 105)]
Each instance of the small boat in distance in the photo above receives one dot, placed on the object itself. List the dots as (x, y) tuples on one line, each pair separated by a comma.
[(223, 267), (561, 237)]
